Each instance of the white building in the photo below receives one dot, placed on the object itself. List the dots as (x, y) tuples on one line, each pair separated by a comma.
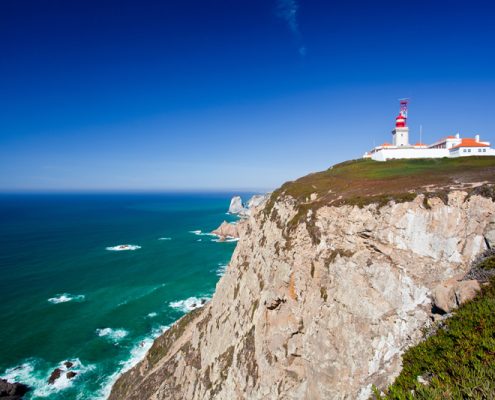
[(450, 146)]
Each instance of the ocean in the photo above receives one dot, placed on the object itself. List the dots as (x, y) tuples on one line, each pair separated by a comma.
[(72, 298)]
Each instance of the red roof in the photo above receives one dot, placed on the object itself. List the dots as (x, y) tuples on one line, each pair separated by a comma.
[(386, 144), (469, 143)]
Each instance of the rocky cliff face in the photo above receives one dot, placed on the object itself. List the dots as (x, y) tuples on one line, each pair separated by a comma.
[(321, 309)]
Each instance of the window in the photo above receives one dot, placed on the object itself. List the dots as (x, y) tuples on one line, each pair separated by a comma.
[(469, 150), (464, 150), (479, 150), (484, 150)]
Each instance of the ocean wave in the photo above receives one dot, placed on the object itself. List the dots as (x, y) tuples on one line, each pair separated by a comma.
[(65, 297), (35, 374), (228, 239), (199, 232), (124, 247), (114, 335), (164, 238), (221, 269), (189, 304), (137, 353), (152, 315)]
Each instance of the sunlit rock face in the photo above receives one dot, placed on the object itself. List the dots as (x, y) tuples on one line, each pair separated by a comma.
[(319, 311)]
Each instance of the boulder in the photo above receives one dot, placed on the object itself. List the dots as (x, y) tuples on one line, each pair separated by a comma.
[(70, 374), (54, 376), (12, 391), (444, 297), (68, 364), (466, 290)]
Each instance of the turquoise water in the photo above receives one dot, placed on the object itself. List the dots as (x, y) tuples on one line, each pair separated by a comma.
[(64, 296)]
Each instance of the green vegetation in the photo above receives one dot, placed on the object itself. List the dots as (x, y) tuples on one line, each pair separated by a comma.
[(363, 182), (458, 361)]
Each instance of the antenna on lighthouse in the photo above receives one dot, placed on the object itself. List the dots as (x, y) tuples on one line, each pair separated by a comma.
[(420, 134), (403, 107)]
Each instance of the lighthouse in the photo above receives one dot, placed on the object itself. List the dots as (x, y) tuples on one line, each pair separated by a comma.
[(400, 134)]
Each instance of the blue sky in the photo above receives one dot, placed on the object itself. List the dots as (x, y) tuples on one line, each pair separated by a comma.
[(245, 94)]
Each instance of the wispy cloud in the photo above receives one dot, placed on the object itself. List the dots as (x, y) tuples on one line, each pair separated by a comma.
[(288, 10)]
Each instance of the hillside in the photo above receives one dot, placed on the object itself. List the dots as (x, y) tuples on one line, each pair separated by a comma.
[(329, 285), (366, 181)]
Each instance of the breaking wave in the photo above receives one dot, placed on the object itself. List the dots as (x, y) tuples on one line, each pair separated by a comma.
[(115, 335), (35, 373), (124, 247), (65, 297), (189, 304), (164, 238), (136, 355)]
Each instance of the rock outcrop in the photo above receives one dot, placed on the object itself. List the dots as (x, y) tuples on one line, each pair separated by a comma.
[(237, 207), (317, 303), (227, 230), (12, 391)]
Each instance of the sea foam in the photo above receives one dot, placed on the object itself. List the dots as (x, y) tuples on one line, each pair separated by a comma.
[(189, 304), (115, 335), (35, 374), (124, 247), (164, 238), (65, 297), (137, 353)]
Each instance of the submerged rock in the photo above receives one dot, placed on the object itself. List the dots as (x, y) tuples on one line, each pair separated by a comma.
[(12, 391)]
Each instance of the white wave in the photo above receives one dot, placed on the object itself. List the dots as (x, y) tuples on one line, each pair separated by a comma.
[(137, 353), (189, 304), (221, 270), (152, 315), (228, 239), (31, 373), (65, 297), (201, 233), (164, 238), (114, 335), (124, 247)]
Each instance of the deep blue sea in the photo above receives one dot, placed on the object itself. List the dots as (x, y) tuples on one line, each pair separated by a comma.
[(69, 293)]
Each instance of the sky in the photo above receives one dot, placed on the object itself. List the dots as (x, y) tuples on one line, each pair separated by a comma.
[(229, 94)]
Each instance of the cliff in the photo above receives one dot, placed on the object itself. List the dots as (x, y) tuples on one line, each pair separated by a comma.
[(330, 283)]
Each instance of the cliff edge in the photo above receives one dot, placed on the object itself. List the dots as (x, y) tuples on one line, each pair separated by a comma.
[(330, 283)]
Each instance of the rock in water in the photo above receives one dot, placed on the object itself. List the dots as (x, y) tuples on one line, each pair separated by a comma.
[(227, 230), (70, 374), (12, 391), (236, 205), (54, 376)]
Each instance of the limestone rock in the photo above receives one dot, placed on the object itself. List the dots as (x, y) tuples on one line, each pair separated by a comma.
[(444, 297), (466, 290), (324, 310)]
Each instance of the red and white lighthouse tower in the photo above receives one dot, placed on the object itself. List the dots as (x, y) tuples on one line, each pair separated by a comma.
[(400, 134)]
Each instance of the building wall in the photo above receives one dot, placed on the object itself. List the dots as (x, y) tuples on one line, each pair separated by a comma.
[(400, 136), (472, 151), (388, 154)]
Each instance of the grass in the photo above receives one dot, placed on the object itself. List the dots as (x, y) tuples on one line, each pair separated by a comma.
[(365, 178), (362, 182), (458, 361)]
